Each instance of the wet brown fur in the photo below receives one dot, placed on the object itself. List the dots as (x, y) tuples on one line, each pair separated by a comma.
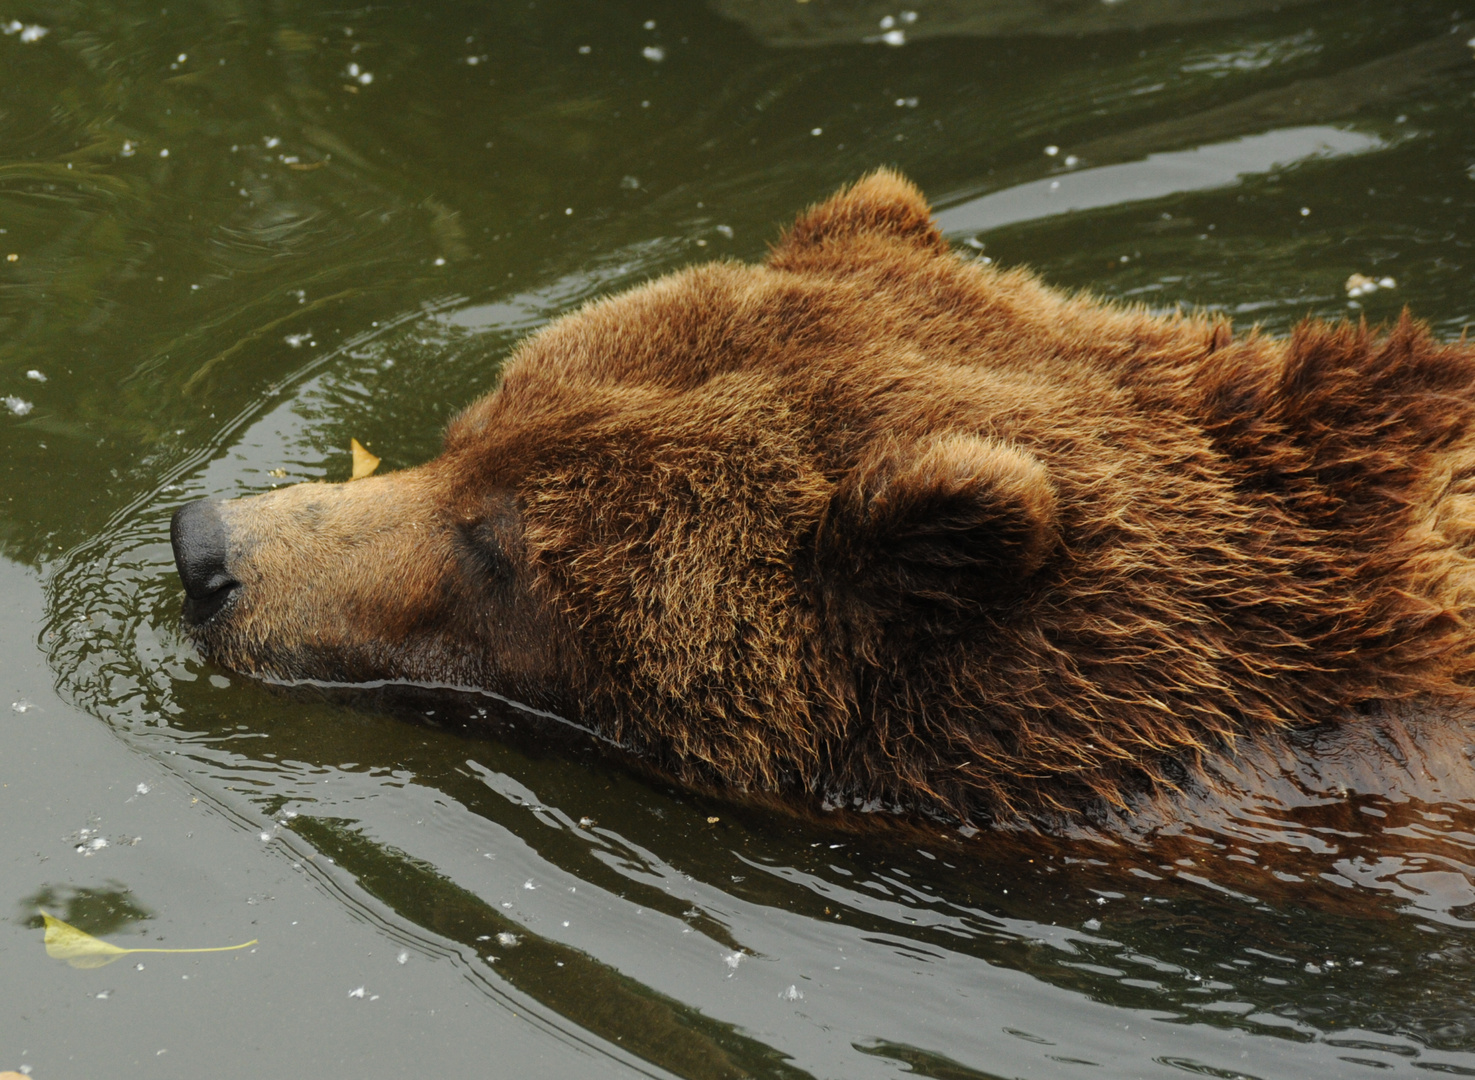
[(873, 520)]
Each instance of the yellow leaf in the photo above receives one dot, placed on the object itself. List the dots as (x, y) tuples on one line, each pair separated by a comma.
[(81, 950), (14, 1076), (364, 463)]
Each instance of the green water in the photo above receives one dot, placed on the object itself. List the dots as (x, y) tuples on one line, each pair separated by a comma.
[(246, 232)]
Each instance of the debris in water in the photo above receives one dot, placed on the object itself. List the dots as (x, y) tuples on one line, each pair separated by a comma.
[(732, 960), (793, 993), (18, 407), (35, 376), (359, 993), (364, 463), (28, 34), (142, 789), (403, 957), (22, 706), (654, 53), (506, 940), (1361, 285), (81, 950)]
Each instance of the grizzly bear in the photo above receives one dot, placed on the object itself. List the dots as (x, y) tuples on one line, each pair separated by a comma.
[(879, 523)]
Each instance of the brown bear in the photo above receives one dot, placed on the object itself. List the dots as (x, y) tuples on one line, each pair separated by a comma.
[(879, 523)]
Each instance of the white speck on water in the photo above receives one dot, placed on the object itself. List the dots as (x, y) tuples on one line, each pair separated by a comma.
[(586, 822), (528, 884), (1051, 151), (1361, 285), (1305, 211), (266, 837), (97, 843), (1054, 184), (103, 995), (35, 376), (1091, 924), (725, 230), (33, 33), (568, 210), (565, 924), (366, 78), (650, 24), (194, 288), (732, 960), (793, 993), (137, 967), (403, 957), (272, 142), (23, 705), (359, 993), (474, 60), (585, 50), (164, 152), (816, 131), (440, 262), (1071, 161), (181, 58), (1101, 900), (506, 905), (506, 940), (906, 103), (296, 340), (654, 53), (18, 406), (1312, 969), (894, 38), (128, 149), (143, 789)]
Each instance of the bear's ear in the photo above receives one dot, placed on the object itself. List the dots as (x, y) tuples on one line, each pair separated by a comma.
[(955, 522), (883, 205)]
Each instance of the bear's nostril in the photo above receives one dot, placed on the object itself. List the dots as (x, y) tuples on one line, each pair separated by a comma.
[(200, 555)]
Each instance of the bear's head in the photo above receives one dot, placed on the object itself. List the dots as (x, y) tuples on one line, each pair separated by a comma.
[(707, 516)]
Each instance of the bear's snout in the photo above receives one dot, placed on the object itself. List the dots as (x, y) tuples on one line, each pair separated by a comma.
[(201, 555)]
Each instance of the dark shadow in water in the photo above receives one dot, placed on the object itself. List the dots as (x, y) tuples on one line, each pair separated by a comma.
[(98, 911), (569, 982)]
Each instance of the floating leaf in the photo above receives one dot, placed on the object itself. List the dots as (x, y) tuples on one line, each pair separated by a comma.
[(364, 463), (80, 949)]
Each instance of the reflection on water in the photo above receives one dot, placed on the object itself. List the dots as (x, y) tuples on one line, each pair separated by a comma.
[(1203, 168), (322, 255)]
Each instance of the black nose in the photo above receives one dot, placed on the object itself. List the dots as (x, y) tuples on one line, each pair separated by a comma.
[(200, 554)]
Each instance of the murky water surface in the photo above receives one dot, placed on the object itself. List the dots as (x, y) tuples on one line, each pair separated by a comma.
[(234, 235)]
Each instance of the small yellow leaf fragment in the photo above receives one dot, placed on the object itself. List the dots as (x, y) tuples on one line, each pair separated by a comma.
[(12, 257), (77, 947), (81, 950), (364, 463), (713, 820), (14, 1076)]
